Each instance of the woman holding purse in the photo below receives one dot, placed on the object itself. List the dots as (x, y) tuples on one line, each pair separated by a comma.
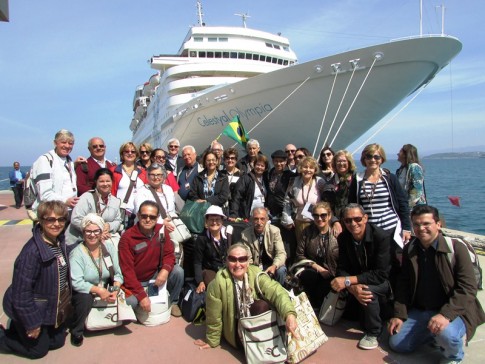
[(94, 266)]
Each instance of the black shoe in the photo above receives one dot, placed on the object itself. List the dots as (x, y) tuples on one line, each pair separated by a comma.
[(3, 347), (77, 340)]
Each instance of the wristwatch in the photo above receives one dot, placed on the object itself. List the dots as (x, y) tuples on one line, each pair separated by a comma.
[(347, 282)]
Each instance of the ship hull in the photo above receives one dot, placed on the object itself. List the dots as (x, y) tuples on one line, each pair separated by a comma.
[(327, 101)]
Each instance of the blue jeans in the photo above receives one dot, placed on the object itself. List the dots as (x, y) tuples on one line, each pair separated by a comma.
[(414, 332)]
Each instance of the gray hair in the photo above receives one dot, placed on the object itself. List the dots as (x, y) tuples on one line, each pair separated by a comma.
[(64, 134), (189, 147), (155, 166), (253, 142), (239, 245), (94, 219), (257, 209), (173, 140), (352, 206), (90, 142)]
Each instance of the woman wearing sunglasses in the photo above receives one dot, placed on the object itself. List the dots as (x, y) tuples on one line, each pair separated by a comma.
[(383, 199), (91, 273), (40, 284), (232, 295), (145, 151), (320, 246), (127, 178)]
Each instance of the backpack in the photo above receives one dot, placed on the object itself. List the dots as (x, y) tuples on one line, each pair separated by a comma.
[(30, 191), (473, 256), (192, 303)]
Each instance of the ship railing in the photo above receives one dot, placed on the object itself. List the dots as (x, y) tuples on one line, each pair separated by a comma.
[(423, 36)]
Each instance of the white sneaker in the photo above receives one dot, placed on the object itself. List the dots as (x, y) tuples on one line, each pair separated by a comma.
[(368, 342)]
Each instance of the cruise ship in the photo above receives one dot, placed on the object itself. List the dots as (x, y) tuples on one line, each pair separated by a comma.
[(223, 72)]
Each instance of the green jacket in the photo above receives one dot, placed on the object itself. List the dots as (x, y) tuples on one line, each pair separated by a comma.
[(221, 313)]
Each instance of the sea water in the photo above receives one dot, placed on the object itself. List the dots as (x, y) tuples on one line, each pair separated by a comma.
[(464, 178)]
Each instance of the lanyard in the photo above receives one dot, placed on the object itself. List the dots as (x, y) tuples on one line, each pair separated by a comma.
[(305, 200)]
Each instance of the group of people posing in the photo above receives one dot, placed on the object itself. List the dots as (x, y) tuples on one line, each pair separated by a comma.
[(351, 232)]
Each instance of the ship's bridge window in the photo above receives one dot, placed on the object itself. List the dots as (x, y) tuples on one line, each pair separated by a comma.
[(223, 39), (233, 54), (255, 57), (210, 54), (225, 54), (268, 59), (274, 60), (286, 48), (198, 39), (193, 54), (262, 58), (218, 54), (249, 55), (280, 61), (269, 45), (285, 62), (276, 46), (240, 55), (212, 39), (201, 54)]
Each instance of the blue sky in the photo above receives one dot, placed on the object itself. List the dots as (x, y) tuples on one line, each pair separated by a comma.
[(75, 64)]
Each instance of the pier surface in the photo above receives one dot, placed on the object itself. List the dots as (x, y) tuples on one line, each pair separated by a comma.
[(173, 342)]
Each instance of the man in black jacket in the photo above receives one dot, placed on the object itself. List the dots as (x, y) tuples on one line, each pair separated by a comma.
[(363, 269)]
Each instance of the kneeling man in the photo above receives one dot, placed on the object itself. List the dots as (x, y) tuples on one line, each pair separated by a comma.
[(434, 298), (141, 259), (266, 245)]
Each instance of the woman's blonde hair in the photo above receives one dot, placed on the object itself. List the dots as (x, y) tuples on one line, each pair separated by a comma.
[(312, 162), (371, 149)]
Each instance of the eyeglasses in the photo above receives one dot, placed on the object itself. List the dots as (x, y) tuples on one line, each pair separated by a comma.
[(369, 157), (348, 220), (301, 156), (231, 158), (98, 146), (212, 220), (144, 152), (149, 217), (342, 162), (52, 220), (290, 151), (93, 232), (320, 216), (159, 157), (173, 146), (233, 259), (129, 151), (156, 175), (327, 154)]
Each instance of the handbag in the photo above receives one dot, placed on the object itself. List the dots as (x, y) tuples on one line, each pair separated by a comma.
[(263, 335), (193, 215), (64, 306), (103, 316), (309, 330), (192, 304), (333, 307), (125, 311)]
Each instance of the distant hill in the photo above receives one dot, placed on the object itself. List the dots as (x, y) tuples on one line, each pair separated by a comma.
[(456, 155)]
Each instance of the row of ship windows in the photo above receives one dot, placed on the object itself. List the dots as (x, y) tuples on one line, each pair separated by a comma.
[(225, 39), (240, 55)]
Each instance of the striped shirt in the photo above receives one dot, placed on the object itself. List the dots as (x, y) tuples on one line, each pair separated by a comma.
[(376, 201), (61, 264)]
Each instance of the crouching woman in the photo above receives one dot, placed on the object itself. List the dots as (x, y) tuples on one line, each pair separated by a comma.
[(232, 293)]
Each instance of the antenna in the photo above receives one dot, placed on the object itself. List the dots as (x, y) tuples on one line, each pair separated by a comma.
[(442, 6), (421, 18), (244, 17), (200, 14)]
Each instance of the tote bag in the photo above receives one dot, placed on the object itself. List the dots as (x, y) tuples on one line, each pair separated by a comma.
[(103, 316), (193, 215), (333, 307)]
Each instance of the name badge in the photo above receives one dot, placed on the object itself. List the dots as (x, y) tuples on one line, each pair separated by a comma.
[(187, 186), (62, 261), (108, 261)]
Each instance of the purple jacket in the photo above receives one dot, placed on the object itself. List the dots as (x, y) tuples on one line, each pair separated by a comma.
[(32, 297)]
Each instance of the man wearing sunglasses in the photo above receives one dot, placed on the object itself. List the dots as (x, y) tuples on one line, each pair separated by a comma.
[(85, 171), (141, 260), (174, 162), (291, 163), (363, 269)]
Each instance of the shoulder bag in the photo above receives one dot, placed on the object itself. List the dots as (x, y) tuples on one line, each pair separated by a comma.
[(333, 307), (263, 335)]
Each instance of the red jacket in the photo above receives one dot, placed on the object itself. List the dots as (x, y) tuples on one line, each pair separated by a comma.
[(118, 174), (140, 258), (85, 180)]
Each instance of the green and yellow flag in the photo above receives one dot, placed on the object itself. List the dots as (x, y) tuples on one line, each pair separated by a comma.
[(235, 131)]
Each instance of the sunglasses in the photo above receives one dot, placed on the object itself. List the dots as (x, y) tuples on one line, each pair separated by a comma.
[(144, 152), (231, 158), (299, 156), (52, 220), (320, 216), (327, 154), (375, 156), (290, 151), (348, 220), (98, 146), (173, 146), (149, 217), (93, 232), (159, 157), (129, 151), (233, 259)]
